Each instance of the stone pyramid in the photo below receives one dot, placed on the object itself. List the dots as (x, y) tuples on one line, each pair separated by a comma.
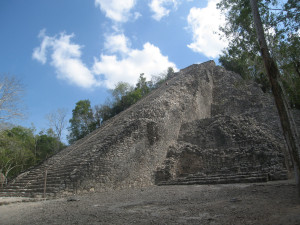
[(207, 125)]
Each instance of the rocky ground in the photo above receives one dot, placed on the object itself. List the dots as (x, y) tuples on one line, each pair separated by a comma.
[(259, 203)]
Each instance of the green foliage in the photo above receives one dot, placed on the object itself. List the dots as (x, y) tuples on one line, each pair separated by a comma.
[(125, 95), (102, 113), (21, 149), (47, 144), (170, 73), (121, 89), (142, 85), (82, 121), (281, 24), (290, 16)]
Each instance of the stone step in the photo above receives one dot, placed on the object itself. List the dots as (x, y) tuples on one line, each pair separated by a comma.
[(220, 176), (53, 171), (216, 179), (51, 181), (15, 194), (40, 179), (19, 186), (27, 194), (50, 188), (40, 176)]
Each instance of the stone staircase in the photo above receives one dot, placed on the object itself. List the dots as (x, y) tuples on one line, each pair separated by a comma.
[(200, 179), (60, 170), (58, 177), (63, 168)]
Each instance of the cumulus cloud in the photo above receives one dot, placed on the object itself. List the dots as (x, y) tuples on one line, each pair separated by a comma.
[(204, 24), (120, 63), (117, 10), (66, 59), (160, 8), (117, 44), (129, 66)]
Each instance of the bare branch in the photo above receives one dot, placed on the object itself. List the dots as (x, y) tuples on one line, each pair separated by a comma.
[(57, 121), (11, 91)]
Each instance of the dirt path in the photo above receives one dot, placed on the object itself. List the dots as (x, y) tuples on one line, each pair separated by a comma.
[(263, 203)]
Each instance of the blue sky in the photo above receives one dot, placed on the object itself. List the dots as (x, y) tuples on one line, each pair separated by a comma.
[(64, 51)]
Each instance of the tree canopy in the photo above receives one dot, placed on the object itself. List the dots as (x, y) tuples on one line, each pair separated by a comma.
[(281, 25), (82, 121), (20, 149)]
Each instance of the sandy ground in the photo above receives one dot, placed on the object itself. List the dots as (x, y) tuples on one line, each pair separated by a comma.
[(260, 203)]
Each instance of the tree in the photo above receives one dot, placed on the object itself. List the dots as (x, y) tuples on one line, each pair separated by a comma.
[(261, 20), (102, 113), (124, 95), (281, 32), (170, 72), (57, 121), (82, 121), (11, 92), (20, 149), (120, 90), (142, 84), (17, 146), (47, 144), (273, 73)]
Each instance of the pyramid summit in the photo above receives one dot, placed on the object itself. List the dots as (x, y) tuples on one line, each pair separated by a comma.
[(206, 126)]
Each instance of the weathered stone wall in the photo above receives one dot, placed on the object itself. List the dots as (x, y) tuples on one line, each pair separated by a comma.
[(242, 136), (224, 145)]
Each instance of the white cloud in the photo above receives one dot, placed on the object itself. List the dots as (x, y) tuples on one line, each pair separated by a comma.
[(121, 63), (149, 61), (117, 44), (117, 10), (159, 7), (40, 52), (66, 59), (204, 23)]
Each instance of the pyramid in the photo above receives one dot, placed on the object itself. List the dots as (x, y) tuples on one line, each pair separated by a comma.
[(205, 126)]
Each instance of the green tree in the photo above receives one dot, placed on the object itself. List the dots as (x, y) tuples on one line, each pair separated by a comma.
[(281, 24), (142, 84), (47, 144), (17, 147), (124, 95), (131, 98), (273, 73), (170, 72), (261, 19), (102, 113), (120, 90), (20, 149), (82, 121)]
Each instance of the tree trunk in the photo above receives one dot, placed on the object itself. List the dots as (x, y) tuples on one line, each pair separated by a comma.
[(287, 123)]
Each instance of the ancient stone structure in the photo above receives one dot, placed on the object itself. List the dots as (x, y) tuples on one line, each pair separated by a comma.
[(206, 126)]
